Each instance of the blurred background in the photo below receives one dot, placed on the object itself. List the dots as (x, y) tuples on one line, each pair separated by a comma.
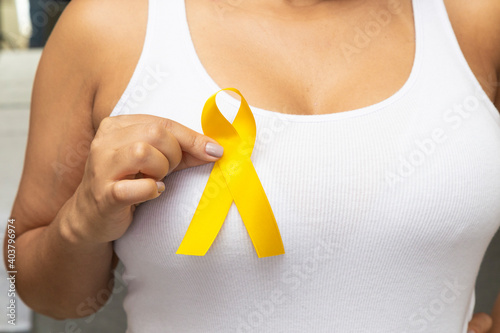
[(25, 26)]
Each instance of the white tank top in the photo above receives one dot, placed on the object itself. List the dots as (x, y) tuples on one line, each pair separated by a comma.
[(385, 211)]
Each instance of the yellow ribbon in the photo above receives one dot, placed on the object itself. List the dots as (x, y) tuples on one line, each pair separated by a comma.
[(233, 177)]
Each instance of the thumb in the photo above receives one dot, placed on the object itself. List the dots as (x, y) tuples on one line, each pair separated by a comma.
[(127, 192), (480, 323)]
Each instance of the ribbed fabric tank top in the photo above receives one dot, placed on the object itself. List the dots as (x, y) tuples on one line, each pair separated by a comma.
[(385, 211)]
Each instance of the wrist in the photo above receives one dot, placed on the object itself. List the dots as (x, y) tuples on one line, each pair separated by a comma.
[(70, 226)]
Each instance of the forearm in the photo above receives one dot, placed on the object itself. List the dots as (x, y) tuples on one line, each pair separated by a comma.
[(58, 275)]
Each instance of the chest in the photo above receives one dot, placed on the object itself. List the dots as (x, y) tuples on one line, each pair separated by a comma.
[(336, 60), (294, 67), (332, 64), (353, 183)]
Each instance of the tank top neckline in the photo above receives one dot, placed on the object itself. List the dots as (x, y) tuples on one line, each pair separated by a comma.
[(192, 55)]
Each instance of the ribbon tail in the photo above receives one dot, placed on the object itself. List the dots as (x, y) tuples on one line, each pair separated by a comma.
[(254, 208), (208, 217)]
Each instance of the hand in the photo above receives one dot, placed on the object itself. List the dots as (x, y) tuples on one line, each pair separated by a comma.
[(480, 323), (128, 157)]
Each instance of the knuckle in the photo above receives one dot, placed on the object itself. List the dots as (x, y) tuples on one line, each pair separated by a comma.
[(166, 124), (140, 151), (155, 132), (196, 141)]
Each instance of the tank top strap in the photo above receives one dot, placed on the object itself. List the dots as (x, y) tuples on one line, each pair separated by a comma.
[(444, 64)]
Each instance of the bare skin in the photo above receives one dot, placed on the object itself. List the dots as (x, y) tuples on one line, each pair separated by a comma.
[(64, 244)]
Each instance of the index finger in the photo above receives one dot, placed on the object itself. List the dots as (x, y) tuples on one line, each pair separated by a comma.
[(197, 145)]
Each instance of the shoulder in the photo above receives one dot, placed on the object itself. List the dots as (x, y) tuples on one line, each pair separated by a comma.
[(90, 33), (477, 26), (477, 21), (100, 41), (99, 21)]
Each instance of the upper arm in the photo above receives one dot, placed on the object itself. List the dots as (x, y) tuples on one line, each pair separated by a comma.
[(61, 127), (477, 26)]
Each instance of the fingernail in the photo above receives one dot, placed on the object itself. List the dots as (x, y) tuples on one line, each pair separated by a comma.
[(471, 331), (214, 149), (161, 186)]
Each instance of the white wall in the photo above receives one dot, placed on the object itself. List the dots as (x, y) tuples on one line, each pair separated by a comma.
[(15, 22)]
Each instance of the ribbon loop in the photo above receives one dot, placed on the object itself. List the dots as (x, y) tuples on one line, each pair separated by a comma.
[(233, 178)]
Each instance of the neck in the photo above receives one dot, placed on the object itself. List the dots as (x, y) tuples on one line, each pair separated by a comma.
[(297, 9)]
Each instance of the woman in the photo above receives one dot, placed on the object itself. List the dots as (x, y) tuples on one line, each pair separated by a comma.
[(377, 148)]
